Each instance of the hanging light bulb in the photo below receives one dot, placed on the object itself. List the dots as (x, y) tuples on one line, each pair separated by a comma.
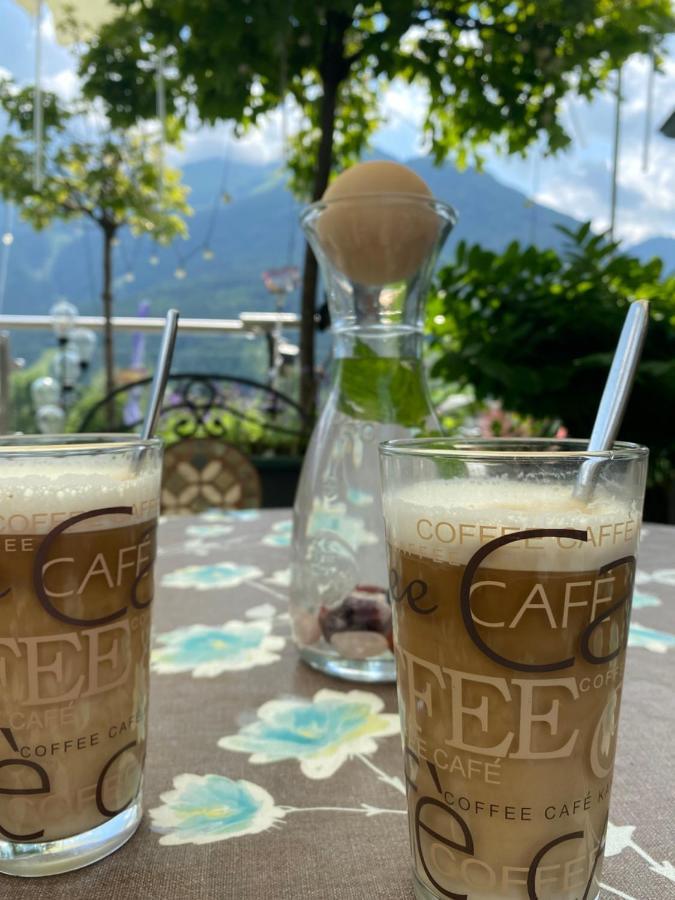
[(288, 350), (65, 366), (50, 419), (207, 254), (83, 342), (8, 239), (227, 198), (45, 391), (180, 273), (154, 260), (115, 242), (63, 316), (129, 277)]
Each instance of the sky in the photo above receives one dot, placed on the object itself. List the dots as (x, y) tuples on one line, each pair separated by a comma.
[(576, 182)]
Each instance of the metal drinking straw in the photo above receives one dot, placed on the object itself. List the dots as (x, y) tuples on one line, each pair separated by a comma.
[(615, 395), (161, 373)]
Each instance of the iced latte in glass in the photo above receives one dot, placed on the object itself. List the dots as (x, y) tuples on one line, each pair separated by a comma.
[(78, 525), (511, 598)]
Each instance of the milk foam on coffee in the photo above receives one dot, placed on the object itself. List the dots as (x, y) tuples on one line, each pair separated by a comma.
[(77, 546), (34, 493), (448, 520), (510, 655)]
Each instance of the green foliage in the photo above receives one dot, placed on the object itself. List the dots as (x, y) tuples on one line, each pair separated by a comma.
[(22, 413), (114, 181), (494, 71), (85, 396), (246, 424), (382, 389), (537, 331), (251, 433), (88, 395)]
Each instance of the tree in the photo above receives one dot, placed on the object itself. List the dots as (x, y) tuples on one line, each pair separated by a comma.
[(113, 181), (537, 330), (493, 72)]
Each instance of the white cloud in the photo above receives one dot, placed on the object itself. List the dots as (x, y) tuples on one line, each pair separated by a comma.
[(403, 109), (259, 145), (578, 182), (47, 29), (64, 83)]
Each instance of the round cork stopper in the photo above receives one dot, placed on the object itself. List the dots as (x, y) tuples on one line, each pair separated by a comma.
[(378, 225)]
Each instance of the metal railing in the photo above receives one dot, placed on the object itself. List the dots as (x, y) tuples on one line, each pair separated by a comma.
[(268, 324), (253, 321)]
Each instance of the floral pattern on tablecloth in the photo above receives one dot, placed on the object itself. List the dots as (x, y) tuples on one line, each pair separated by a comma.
[(214, 576), (202, 809), (326, 733), (322, 733), (207, 651)]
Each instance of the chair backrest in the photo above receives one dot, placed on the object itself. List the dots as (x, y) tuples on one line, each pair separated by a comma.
[(201, 473), (212, 425)]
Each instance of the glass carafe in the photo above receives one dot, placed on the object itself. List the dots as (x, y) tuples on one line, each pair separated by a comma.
[(376, 253)]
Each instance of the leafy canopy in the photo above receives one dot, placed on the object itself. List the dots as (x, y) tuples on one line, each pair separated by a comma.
[(537, 330), (493, 71), (113, 179)]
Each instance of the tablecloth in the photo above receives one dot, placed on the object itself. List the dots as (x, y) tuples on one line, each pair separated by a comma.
[(248, 796)]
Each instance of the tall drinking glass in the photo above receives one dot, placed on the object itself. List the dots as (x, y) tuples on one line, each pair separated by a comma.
[(78, 519), (511, 595)]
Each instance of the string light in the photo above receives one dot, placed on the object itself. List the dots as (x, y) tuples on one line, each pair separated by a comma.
[(180, 273), (207, 254), (8, 239), (154, 260), (129, 277)]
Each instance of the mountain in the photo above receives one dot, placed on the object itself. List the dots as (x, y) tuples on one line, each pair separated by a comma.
[(253, 228), (664, 247)]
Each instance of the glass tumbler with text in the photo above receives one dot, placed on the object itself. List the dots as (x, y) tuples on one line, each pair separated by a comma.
[(78, 523), (511, 570)]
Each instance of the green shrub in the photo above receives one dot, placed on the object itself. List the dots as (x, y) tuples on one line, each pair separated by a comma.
[(22, 413), (537, 331)]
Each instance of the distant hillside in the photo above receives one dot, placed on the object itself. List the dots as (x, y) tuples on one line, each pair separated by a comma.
[(257, 229), (657, 246)]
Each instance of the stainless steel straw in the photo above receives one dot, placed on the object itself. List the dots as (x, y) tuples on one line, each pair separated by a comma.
[(615, 395), (161, 373)]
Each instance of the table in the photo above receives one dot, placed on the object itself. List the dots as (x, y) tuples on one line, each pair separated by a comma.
[(231, 720)]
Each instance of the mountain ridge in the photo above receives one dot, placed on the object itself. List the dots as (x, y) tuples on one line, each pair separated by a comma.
[(246, 216)]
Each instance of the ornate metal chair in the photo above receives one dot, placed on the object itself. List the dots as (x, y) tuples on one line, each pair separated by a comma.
[(214, 427)]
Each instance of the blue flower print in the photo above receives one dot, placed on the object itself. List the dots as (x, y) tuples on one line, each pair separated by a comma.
[(321, 733), (202, 809), (280, 535), (664, 576), (359, 498), (230, 515), (209, 650), (334, 519), (213, 576), (281, 578), (650, 638), (211, 529), (641, 600)]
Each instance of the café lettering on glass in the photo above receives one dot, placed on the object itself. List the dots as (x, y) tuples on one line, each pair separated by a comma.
[(510, 637), (74, 645)]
